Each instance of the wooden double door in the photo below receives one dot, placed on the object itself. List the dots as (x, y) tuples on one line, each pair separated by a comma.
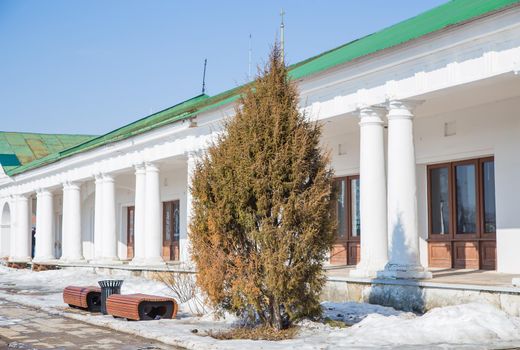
[(130, 232), (346, 248), (171, 230), (462, 214)]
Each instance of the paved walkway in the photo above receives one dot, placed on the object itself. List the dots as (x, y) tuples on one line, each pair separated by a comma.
[(22, 327)]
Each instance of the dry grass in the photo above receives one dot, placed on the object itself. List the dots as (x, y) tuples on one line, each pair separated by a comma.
[(183, 285), (256, 333), (335, 323)]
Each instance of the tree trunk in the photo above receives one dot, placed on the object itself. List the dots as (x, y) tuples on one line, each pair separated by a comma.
[(276, 315)]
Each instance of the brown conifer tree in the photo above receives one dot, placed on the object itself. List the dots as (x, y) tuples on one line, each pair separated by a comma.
[(262, 226)]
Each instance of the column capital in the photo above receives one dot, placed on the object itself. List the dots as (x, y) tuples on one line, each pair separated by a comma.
[(193, 154), (369, 115), (402, 109), (70, 185), (20, 196), (108, 178), (139, 168), (98, 176), (43, 192), (151, 167)]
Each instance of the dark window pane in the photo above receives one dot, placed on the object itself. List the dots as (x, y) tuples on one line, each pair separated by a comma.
[(168, 220), (130, 225), (488, 174), (176, 222), (354, 207), (466, 198), (439, 201), (340, 209)]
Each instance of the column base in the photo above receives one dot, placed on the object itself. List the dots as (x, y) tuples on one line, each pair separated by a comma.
[(43, 259), (106, 261), (79, 260), (137, 262), (362, 272), (17, 259), (157, 261), (397, 271)]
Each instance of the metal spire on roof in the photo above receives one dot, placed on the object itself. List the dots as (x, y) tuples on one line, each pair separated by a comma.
[(204, 77), (282, 29)]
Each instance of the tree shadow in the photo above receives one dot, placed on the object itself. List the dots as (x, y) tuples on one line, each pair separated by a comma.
[(405, 294), (398, 249)]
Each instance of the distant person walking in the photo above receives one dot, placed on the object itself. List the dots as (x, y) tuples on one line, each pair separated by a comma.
[(33, 241)]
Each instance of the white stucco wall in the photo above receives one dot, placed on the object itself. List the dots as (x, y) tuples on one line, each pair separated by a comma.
[(483, 130)]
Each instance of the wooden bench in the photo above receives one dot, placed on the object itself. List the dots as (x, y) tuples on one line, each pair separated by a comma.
[(141, 306), (43, 267), (17, 265), (88, 298)]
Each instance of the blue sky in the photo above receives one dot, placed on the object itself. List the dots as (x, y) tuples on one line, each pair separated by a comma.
[(91, 66)]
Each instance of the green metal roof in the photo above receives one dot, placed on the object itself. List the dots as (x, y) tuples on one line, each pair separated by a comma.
[(19, 149), (446, 15), (452, 13)]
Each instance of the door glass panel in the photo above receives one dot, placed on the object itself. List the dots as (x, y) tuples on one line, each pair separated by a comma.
[(488, 180), (167, 222), (176, 218), (439, 201), (340, 208), (58, 236), (354, 207), (130, 225), (466, 198)]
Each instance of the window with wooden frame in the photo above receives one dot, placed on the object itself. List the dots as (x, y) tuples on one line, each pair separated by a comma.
[(345, 250), (462, 214), (130, 231), (171, 230)]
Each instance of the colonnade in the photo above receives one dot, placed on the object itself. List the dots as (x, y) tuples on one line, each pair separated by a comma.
[(388, 206), (147, 221)]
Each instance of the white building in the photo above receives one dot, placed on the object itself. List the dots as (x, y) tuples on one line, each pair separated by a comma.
[(423, 119)]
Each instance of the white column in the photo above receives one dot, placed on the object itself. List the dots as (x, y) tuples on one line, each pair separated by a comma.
[(98, 217), (6, 219), (372, 193), (44, 249), (22, 250), (12, 234), (403, 236), (109, 251), (192, 158), (71, 227), (153, 220), (139, 219)]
